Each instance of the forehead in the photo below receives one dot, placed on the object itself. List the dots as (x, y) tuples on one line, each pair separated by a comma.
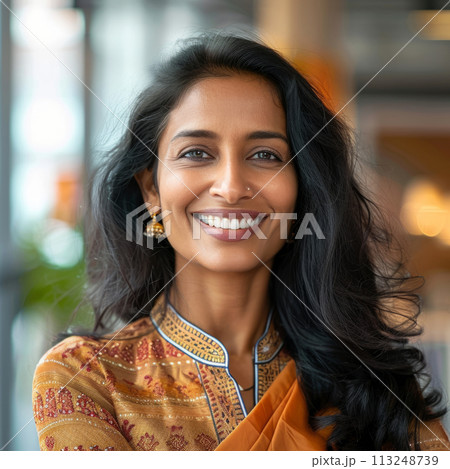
[(241, 102)]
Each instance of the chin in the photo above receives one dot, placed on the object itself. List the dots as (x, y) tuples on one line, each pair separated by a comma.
[(232, 268), (229, 263)]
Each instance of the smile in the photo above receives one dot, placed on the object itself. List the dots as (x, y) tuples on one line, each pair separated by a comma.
[(229, 223)]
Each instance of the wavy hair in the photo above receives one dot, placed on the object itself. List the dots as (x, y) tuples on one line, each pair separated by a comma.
[(346, 306)]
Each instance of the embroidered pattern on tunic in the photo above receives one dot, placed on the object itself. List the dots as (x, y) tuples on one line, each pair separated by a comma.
[(267, 372), (224, 401), (147, 388), (189, 338)]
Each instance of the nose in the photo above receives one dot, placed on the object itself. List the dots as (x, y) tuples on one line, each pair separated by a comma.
[(230, 181)]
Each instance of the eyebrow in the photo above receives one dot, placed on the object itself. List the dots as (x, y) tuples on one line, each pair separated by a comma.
[(257, 135)]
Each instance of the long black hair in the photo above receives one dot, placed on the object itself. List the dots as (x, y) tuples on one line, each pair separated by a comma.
[(346, 311)]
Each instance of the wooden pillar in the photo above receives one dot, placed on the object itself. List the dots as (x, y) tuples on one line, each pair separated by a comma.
[(309, 33)]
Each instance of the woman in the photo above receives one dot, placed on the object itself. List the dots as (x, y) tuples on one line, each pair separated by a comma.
[(232, 336)]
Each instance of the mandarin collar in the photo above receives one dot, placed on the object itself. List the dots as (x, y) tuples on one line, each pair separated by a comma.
[(202, 346)]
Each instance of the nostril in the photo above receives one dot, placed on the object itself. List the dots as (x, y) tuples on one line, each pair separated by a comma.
[(231, 191)]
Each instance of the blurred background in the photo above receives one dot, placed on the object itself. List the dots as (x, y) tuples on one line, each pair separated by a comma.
[(69, 72)]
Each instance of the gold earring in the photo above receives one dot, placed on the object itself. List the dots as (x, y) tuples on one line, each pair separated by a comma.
[(154, 229)]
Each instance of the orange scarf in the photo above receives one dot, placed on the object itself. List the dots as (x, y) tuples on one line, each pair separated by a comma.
[(279, 422)]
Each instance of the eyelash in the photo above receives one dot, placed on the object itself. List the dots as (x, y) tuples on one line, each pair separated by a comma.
[(271, 153)]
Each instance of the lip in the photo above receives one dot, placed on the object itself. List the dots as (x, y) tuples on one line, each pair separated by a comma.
[(226, 213)]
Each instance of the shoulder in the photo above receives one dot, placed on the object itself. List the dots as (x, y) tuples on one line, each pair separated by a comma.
[(68, 358), (126, 348), (79, 352), (132, 330)]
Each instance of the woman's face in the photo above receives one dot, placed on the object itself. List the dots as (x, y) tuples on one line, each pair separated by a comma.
[(226, 135)]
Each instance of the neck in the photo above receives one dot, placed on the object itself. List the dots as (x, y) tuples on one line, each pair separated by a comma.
[(231, 306)]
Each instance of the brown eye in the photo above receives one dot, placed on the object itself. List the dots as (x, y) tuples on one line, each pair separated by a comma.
[(195, 155), (266, 155)]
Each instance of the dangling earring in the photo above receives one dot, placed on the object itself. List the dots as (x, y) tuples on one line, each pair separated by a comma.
[(154, 229)]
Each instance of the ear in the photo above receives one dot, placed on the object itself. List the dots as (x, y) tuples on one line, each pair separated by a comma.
[(144, 178)]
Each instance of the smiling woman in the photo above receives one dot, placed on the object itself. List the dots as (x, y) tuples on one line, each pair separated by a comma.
[(237, 335), (224, 141)]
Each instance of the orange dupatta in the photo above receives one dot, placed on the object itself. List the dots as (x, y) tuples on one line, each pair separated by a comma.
[(279, 422)]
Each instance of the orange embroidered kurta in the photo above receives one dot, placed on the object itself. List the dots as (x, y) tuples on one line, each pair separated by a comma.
[(159, 384)]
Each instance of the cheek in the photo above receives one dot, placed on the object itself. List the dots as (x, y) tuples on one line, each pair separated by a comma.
[(175, 192), (284, 190)]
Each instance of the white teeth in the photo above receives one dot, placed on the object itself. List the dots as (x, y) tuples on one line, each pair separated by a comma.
[(243, 223), (231, 224), (234, 224)]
